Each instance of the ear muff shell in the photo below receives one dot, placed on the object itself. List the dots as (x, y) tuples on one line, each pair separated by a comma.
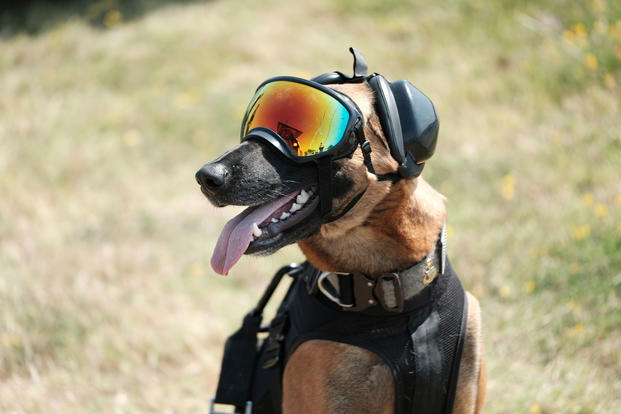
[(409, 121), (419, 121)]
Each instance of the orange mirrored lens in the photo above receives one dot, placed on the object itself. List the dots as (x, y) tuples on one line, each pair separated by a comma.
[(308, 120)]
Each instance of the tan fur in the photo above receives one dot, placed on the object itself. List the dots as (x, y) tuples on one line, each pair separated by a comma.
[(390, 228), (471, 380), (331, 377)]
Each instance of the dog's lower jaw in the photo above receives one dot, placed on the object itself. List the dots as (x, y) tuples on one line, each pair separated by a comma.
[(290, 236), (394, 237)]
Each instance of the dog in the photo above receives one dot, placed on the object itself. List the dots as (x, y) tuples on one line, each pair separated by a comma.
[(392, 225)]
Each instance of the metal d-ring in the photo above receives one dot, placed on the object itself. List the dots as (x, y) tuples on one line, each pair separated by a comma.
[(329, 295)]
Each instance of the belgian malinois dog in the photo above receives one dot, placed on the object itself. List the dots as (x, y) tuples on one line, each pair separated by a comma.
[(391, 226)]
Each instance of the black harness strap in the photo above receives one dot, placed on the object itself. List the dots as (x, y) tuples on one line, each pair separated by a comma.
[(240, 352), (428, 365), (238, 361)]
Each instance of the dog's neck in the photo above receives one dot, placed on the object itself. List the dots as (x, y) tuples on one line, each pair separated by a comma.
[(401, 229)]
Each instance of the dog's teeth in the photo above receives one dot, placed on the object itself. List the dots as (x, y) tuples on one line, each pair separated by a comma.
[(284, 215), (303, 197), (295, 207), (274, 220), (256, 231)]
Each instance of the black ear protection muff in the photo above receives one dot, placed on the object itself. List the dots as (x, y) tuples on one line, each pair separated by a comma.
[(408, 117)]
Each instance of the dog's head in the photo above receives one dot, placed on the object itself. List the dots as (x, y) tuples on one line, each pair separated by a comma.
[(359, 139), (283, 196)]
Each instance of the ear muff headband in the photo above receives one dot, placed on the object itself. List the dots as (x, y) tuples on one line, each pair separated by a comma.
[(389, 116)]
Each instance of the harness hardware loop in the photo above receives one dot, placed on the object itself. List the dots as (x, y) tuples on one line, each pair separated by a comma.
[(212, 408), (329, 294)]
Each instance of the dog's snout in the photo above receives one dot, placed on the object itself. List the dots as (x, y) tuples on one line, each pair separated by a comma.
[(213, 176)]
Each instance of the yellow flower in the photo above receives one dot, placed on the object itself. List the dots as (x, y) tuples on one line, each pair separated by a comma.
[(529, 286), (601, 210), (574, 268), (618, 200), (609, 81), (591, 61), (574, 330), (580, 232), (580, 30), (569, 36), (504, 291), (534, 409), (508, 187), (112, 18), (10, 341), (587, 198)]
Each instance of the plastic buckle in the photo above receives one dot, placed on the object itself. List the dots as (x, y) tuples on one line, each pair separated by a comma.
[(367, 292), (398, 293), (212, 408), (274, 341), (364, 293)]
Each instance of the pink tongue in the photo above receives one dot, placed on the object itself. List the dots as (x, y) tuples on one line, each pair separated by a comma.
[(237, 234)]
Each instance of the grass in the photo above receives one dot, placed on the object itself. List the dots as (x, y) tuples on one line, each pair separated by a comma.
[(107, 301)]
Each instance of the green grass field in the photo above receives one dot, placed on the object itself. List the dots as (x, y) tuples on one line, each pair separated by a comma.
[(107, 300)]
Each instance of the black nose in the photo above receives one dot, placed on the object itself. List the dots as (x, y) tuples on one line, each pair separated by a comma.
[(213, 176)]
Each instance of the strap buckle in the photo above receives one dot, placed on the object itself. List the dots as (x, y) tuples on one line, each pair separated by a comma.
[(397, 292), (367, 292), (212, 408)]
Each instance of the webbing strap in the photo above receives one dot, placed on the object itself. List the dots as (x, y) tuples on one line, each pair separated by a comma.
[(238, 363), (428, 366)]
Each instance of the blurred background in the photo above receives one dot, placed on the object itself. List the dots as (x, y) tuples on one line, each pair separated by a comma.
[(107, 108)]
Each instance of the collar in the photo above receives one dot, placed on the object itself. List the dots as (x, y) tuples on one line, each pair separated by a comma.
[(393, 292)]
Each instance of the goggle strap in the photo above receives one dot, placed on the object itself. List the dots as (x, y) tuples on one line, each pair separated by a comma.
[(365, 146), (348, 207), (324, 176)]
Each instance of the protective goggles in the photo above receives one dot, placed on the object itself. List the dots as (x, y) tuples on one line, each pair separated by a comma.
[(303, 119)]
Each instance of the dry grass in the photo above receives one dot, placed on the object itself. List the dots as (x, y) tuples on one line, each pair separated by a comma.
[(107, 301)]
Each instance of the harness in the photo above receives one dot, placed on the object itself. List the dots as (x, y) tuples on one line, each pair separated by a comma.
[(415, 320)]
